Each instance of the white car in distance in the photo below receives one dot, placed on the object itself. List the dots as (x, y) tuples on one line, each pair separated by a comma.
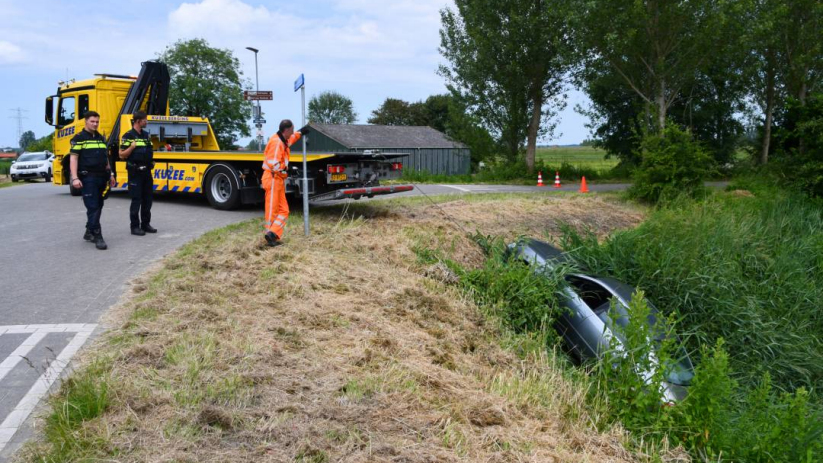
[(30, 166)]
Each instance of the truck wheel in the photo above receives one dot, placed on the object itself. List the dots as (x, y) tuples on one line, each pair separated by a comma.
[(222, 188), (47, 178), (75, 191)]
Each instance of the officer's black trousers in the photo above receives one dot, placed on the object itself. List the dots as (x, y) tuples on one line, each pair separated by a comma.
[(141, 187), (93, 187)]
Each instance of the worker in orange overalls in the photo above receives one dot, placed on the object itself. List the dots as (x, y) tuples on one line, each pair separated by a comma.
[(275, 172)]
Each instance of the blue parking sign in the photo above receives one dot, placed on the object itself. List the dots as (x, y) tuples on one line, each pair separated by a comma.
[(298, 83)]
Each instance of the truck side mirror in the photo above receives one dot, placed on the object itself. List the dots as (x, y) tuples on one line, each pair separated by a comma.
[(50, 110)]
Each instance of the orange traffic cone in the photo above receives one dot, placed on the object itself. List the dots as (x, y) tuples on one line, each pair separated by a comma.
[(556, 179), (540, 179), (583, 187)]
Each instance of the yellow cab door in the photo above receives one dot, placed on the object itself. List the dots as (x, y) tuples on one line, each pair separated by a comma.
[(68, 121)]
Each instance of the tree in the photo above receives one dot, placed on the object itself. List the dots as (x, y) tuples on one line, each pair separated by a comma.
[(802, 29), (43, 144), (207, 82), (763, 69), (331, 108), (394, 111), (26, 139), (507, 63), (657, 47), (440, 112)]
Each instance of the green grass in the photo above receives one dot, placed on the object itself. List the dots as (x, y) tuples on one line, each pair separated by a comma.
[(83, 397), (5, 165), (571, 162), (578, 156)]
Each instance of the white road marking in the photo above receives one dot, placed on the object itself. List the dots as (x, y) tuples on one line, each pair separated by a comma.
[(458, 188), (22, 350), (41, 386)]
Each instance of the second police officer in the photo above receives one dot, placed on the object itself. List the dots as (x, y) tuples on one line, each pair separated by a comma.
[(136, 150)]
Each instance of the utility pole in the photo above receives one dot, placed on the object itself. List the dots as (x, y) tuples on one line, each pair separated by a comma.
[(300, 84), (19, 116), (258, 115)]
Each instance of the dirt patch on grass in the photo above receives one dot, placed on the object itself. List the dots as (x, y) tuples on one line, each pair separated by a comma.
[(339, 347)]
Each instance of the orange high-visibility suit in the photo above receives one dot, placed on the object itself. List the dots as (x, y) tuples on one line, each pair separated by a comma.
[(275, 172)]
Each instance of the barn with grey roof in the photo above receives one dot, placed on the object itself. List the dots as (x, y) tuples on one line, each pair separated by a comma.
[(426, 149)]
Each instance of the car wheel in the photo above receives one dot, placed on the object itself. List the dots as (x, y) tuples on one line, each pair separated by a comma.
[(222, 187), (47, 178), (15, 180)]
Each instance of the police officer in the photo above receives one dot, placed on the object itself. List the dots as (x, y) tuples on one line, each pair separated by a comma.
[(90, 173), (135, 148)]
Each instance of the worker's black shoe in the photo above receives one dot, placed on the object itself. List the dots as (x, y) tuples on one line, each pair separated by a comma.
[(88, 236), (137, 231), (272, 239), (149, 229), (99, 242)]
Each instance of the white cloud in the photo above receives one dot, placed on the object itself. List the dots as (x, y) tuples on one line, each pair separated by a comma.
[(211, 17), (10, 53)]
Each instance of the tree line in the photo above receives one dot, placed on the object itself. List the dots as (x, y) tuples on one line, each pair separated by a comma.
[(727, 71)]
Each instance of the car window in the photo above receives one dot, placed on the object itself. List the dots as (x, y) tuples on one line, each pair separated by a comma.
[(32, 157), (83, 106), (65, 113), (680, 372), (594, 295)]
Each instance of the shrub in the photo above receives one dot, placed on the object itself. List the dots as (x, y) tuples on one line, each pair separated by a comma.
[(672, 164), (524, 298)]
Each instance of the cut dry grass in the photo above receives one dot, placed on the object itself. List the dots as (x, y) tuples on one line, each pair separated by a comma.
[(339, 347)]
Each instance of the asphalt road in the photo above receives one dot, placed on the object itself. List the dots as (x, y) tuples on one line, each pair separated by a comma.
[(56, 285)]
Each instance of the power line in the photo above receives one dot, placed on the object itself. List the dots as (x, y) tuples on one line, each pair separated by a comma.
[(19, 116)]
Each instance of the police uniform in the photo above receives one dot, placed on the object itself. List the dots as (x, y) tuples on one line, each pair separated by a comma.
[(141, 183), (93, 171)]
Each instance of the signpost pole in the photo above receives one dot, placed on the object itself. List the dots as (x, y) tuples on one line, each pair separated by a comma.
[(301, 83)]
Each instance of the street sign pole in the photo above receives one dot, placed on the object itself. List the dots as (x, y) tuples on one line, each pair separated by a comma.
[(300, 83)]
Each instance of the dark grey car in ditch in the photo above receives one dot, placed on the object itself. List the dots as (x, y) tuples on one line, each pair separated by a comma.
[(589, 322)]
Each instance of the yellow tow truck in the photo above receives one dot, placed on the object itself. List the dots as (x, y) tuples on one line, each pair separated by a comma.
[(187, 156)]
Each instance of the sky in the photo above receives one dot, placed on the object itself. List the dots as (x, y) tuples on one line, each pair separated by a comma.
[(368, 50)]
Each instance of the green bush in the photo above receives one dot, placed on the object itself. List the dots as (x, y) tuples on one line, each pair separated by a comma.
[(673, 163), (524, 299), (627, 374)]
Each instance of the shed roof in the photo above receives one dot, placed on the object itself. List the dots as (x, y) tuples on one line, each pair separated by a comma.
[(386, 136)]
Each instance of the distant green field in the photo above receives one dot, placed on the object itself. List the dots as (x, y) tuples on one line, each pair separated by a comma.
[(578, 156)]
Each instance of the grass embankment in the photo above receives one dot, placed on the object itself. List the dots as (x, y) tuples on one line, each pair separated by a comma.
[(571, 162), (338, 347)]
